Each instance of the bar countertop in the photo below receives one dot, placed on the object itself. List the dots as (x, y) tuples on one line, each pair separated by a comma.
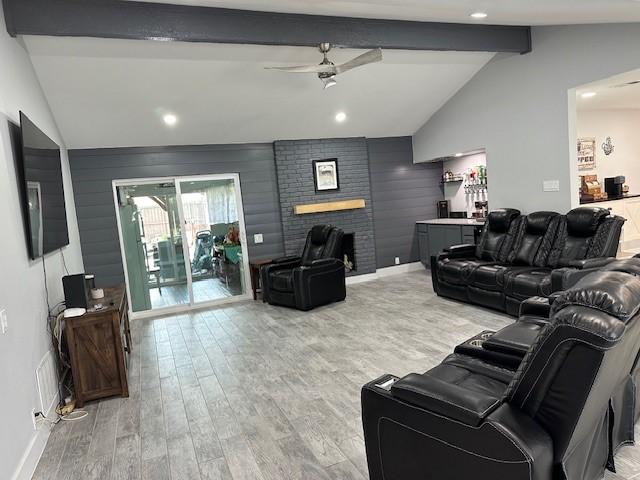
[(611, 199), (454, 221)]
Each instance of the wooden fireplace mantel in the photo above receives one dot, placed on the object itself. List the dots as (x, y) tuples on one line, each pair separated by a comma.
[(329, 206)]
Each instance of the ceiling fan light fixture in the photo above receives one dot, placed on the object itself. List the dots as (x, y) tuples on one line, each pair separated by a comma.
[(329, 81)]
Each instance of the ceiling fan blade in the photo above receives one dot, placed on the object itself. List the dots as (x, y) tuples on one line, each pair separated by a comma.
[(372, 56), (306, 69)]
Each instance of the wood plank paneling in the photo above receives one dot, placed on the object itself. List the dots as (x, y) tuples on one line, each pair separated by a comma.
[(402, 193), (94, 170)]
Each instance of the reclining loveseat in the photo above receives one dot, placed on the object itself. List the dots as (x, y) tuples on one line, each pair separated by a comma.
[(559, 412), (519, 257)]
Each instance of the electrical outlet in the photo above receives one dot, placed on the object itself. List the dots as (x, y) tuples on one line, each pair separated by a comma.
[(4, 325), (397, 260), (257, 238)]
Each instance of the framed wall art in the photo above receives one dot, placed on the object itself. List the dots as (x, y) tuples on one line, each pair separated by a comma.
[(325, 175)]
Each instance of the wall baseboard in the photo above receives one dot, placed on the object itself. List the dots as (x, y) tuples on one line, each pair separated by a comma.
[(29, 461), (385, 272)]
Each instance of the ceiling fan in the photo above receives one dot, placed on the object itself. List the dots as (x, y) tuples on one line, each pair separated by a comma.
[(327, 70)]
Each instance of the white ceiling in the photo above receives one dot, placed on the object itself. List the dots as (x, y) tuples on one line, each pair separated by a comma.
[(113, 93), (518, 12), (614, 93)]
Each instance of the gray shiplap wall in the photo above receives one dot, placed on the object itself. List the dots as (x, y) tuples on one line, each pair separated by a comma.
[(402, 193), (92, 172)]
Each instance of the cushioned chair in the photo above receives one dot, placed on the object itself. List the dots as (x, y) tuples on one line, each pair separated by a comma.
[(452, 268), (535, 255), (556, 416), (533, 240), (509, 345), (587, 238), (313, 279)]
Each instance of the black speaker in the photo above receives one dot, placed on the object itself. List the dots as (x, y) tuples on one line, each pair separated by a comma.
[(75, 291)]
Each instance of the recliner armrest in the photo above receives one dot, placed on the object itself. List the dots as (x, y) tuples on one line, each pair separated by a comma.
[(444, 398), (566, 277), (287, 259), (464, 250), (589, 262), (325, 261), (536, 307)]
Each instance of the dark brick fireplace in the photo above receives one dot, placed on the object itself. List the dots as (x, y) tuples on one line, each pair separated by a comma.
[(296, 187)]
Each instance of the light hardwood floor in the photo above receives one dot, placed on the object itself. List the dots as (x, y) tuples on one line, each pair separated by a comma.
[(259, 392)]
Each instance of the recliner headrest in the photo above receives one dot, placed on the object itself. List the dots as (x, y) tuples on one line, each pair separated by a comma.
[(320, 233), (538, 222), (500, 220), (584, 221), (614, 293)]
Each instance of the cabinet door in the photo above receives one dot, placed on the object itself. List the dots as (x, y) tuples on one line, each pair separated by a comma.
[(453, 235), (423, 244), (95, 357), (443, 236)]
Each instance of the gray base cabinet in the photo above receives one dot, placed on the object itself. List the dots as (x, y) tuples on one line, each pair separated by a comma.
[(432, 239)]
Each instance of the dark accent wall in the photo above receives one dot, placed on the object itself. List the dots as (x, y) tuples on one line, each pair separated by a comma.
[(295, 180), (93, 171), (402, 193)]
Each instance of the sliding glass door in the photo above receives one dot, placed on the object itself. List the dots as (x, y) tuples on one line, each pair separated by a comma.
[(212, 233), (182, 241)]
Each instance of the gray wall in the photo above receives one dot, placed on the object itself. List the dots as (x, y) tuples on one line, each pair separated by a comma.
[(401, 193), (517, 107), (93, 171), (295, 179)]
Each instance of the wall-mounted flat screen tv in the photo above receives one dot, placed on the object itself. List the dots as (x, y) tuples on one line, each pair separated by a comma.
[(43, 191)]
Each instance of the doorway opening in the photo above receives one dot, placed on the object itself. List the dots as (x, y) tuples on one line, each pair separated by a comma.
[(603, 119)]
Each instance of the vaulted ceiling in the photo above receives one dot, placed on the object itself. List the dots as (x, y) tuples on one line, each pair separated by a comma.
[(514, 12), (113, 93)]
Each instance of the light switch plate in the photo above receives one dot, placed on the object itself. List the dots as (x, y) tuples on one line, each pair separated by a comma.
[(551, 186), (4, 325), (257, 238)]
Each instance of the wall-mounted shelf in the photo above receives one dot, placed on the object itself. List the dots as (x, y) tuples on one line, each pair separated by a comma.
[(329, 206), (455, 180)]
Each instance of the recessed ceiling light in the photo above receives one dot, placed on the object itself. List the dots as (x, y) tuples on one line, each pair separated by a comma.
[(478, 15), (459, 154), (588, 94), (341, 117), (170, 119)]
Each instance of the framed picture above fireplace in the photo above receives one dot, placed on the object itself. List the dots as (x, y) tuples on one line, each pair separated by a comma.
[(325, 175)]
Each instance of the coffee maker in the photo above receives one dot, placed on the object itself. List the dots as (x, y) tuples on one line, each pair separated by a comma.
[(613, 186)]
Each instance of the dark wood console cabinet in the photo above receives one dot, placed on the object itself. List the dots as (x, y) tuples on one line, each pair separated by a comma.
[(99, 344)]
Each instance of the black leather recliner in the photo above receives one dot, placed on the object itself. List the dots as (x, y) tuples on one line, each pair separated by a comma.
[(509, 346), (451, 269), (554, 418), (316, 278), (538, 254)]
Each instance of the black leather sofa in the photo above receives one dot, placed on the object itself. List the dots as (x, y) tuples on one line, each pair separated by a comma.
[(519, 257), (315, 278), (557, 414)]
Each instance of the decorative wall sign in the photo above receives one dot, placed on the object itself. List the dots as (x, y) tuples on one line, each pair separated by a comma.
[(586, 153), (325, 175), (607, 146)]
